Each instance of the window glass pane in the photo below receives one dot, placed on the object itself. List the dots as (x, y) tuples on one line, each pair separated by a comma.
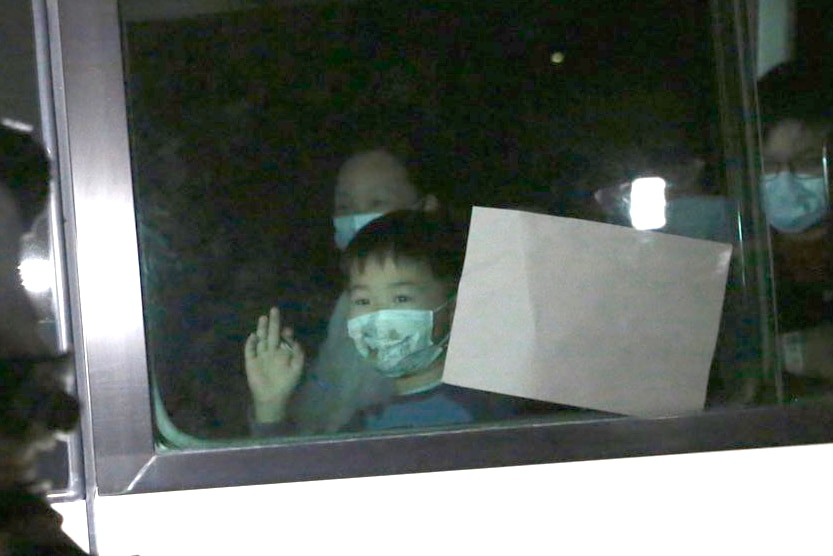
[(245, 125), (796, 100)]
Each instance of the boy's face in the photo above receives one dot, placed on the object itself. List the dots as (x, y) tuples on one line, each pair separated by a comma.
[(373, 182), (404, 284)]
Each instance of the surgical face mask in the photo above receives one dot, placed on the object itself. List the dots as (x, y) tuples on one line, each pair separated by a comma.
[(348, 226), (398, 341), (794, 203)]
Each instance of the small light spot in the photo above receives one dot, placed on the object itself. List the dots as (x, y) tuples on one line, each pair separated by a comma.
[(37, 275), (647, 203), (557, 57), (17, 125)]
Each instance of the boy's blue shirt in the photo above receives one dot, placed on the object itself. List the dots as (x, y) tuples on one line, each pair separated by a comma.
[(441, 406)]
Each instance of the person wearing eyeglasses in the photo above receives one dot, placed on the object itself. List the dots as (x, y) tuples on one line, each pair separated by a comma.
[(796, 101), (33, 404)]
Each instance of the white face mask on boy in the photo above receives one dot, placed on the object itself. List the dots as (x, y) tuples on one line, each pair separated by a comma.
[(399, 341), (794, 203)]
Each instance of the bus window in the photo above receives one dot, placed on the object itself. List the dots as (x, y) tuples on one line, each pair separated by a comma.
[(227, 158), (250, 129)]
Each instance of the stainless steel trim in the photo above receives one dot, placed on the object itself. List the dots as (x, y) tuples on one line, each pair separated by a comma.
[(488, 446), (51, 9), (108, 325), (75, 487)]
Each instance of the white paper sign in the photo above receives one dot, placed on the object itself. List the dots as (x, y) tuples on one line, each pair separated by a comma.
[(586, 314)]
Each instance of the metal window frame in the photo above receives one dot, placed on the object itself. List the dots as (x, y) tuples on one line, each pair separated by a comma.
[(110, 341)]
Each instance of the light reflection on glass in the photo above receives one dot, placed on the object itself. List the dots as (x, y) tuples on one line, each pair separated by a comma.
[(37, 275), (17, 125), (647, 203)]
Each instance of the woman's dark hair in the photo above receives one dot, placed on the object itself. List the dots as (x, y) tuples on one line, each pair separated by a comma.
[(415, 235), (396, 146)]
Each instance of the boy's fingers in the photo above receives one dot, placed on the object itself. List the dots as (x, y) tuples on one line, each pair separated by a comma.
[(298, 357), (250, 347), (273, 333), (262, 322)]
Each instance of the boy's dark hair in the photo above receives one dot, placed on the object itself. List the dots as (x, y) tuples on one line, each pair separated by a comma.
[(799, 90), (416, 235), (24, 169)]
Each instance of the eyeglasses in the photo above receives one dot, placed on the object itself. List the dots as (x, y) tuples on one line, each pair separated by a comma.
[(814, 165)]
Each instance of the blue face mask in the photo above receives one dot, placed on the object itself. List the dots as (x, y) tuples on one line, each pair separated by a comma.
[(348, 226), (794, 203)]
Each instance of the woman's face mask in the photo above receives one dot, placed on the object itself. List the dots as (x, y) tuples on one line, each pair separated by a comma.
[(793, 202), (399, 342), (348, 226)]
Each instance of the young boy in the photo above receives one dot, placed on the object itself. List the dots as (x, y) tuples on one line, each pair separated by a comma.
[(338, 381), (403, 270), (370, 184)]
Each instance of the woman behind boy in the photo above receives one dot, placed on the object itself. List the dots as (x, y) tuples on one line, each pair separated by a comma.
[(370, 183)]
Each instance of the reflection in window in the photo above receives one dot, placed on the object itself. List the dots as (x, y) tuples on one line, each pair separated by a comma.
[(240, 123), (40, 253), (795, 194), (647, 203)]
